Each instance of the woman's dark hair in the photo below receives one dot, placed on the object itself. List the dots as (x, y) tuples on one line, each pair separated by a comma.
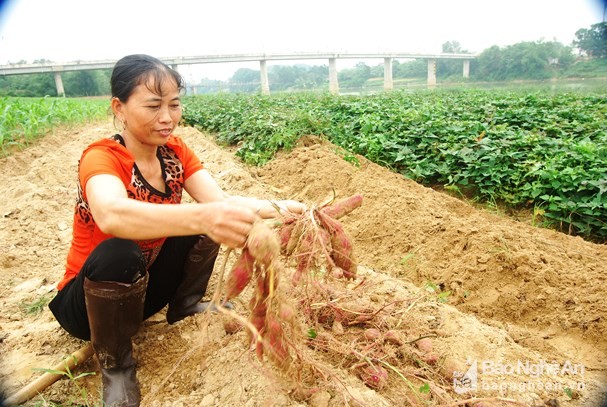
[(133, 70)]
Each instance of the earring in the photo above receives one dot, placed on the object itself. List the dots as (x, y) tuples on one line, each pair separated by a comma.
[(123, 124)]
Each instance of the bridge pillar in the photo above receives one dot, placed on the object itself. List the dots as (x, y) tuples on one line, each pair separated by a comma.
[(333, 84), (466, 68), (432, 73), (59, 84), (263, 72), (388, 83)]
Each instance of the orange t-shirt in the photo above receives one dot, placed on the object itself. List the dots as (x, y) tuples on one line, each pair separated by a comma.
[(109, 156)]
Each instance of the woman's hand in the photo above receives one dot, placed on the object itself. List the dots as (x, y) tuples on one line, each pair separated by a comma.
[(230, 223), (268, 209), (292, 206)]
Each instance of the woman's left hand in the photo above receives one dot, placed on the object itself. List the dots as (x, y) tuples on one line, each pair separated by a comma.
[(293, 206), (268, 209), (272, 209)]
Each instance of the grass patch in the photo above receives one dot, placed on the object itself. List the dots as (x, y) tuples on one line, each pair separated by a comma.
[(36, 306)]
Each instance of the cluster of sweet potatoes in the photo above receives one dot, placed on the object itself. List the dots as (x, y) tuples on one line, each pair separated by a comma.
[(308, 238), (317, 235)]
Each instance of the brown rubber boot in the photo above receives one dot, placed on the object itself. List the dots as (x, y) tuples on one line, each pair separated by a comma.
[(196, 275), (115, 312)]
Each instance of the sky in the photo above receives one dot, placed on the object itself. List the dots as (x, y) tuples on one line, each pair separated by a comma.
[(70, 30)]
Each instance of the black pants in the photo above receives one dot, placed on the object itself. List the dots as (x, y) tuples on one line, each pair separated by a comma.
[(121, 260)]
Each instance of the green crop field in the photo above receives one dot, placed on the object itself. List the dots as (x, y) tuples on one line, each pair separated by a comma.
[(545, 152), (24, 119), (538, 151)]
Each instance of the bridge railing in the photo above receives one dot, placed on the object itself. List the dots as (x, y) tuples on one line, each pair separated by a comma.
[(388, 57)]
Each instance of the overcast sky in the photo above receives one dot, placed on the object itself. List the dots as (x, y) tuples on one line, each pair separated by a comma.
[(68, 30)]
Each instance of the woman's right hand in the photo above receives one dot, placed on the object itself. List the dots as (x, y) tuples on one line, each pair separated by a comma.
[(229, 223)]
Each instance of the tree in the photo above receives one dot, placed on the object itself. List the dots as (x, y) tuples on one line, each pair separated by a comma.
[(87, 83), (356, 76), (453, 47), (450, 67), (311, 77), (524, 60), (377, 71), (245, 80), (592, 41), (78, 83), (318, 75), (29, 85), (489, 64), (284, 76), (417, 68), (208, 86)]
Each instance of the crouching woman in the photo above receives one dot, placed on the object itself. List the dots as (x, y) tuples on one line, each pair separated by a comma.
[(135, 247)]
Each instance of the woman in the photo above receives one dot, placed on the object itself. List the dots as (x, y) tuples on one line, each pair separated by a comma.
[(135, 248)]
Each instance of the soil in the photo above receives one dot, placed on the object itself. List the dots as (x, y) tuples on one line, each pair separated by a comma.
[(506, 297)]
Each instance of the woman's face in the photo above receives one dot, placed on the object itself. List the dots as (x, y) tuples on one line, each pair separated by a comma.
[(148, 117)]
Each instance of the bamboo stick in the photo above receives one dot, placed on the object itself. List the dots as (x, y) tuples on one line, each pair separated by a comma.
[(48, 378)]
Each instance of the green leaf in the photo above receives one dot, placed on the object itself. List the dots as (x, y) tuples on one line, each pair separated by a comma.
[(312, 333), (424, 388)]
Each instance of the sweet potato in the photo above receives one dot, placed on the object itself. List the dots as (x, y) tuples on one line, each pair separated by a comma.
[(343, 207), (275, 341), (430, 358), (425, 345), (286, 312), (258, 314), (393, 337), (263, 285), (372, 334), (263, 243), (327, 222), (305, 256), (375, 377), (240, 275), (258, 306), (294, 238), (342, 254), (231, 326), (259, 310), (284, 234), (273, 327), (323, 240), (451, 368)]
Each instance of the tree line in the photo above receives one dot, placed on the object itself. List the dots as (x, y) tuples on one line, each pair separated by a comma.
[(534, 60), (76, 83)]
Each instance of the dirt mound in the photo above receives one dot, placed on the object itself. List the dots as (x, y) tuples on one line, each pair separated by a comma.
[(496, 268), (491, 291)]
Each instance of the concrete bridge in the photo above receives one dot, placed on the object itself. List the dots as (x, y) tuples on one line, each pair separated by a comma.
[(175, 62)]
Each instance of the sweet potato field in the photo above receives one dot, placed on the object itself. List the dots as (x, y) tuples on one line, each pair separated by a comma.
[(545, 153)]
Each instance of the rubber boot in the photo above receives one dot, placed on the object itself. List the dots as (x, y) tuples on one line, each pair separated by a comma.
[(115, 312), (197, 272)]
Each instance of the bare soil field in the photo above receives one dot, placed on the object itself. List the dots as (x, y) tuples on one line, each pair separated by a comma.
[(520, 309)]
